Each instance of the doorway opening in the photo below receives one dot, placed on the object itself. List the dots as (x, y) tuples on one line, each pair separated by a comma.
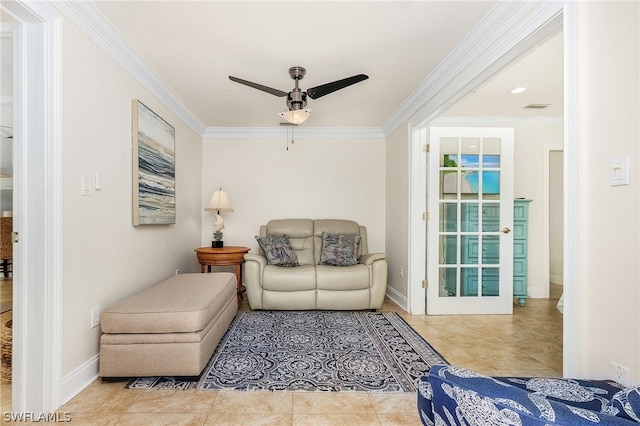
[(561, 18)]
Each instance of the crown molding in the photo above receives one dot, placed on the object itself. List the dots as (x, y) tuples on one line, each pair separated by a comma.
[(497, 121), (298, 132), (489, 47), (89, 20)]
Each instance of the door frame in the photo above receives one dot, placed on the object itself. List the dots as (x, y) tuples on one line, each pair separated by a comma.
[(527, 33), (37, 267)]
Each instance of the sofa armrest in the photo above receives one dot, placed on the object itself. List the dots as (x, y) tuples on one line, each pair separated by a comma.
[(254, 257), (253, 268), (368, 259), (377, 265)]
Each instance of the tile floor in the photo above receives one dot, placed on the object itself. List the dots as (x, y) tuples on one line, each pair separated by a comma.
[(527, 343)]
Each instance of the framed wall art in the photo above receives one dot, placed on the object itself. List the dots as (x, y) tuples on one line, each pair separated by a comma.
[(154, 168)]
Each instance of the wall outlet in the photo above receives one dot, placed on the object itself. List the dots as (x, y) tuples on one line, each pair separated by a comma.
[(95, 316), (621, 374)]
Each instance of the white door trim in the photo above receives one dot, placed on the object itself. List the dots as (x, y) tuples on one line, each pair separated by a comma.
[(416, 266), (37, 331), (572, 250)]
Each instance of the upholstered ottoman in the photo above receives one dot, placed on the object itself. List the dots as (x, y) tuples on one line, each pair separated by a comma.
[(170, 329)]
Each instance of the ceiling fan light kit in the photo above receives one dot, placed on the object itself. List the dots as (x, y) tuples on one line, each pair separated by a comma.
[(297, 116), (297, 99)]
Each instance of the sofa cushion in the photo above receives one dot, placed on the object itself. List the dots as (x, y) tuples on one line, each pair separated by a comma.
[(627, 402), (289, 279), (339, 249), (355, 277), (278, 251)]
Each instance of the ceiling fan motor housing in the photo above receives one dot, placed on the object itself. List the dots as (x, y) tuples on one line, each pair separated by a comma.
[(296, 99), (297, 73)]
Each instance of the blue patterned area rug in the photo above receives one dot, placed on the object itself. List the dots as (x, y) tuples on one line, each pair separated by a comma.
[(313, 351)]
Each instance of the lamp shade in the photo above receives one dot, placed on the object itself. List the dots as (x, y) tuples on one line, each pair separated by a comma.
[(297, 116), (219, 202)]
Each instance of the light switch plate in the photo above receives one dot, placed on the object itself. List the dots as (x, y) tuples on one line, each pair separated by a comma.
[(85, 185), (620, 171)]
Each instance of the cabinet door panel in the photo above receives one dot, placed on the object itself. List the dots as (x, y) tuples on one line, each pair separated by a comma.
[(520, 231), (520, 248), (519, 267)]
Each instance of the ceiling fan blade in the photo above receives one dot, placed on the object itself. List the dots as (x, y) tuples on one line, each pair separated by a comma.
[(267, 89), (325, 89)]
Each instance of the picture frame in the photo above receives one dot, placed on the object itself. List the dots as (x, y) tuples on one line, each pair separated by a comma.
[(154, 183)]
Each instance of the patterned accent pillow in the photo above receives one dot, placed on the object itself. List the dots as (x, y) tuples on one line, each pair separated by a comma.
[(628, 402), (339, 250), (278, 251)]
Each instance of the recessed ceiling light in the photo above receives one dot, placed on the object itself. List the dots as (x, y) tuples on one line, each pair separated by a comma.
[(518, 90)]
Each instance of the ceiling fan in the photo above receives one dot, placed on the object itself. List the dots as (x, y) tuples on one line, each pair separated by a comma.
[(297, 99)]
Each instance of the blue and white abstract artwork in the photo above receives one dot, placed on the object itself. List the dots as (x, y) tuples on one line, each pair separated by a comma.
[(154, 167)]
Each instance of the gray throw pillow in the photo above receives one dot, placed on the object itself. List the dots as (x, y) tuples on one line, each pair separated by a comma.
[(278, 251), (339, 249)]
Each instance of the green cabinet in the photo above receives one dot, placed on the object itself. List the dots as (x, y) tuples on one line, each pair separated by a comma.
[(520, 249), (470, 249)]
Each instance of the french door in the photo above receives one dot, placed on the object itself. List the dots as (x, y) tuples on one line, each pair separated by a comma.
[(470, 217)]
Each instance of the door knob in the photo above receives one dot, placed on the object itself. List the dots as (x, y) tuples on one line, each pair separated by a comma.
[(506, 230)]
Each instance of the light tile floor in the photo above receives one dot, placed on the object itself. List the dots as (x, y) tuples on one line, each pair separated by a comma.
[(527, 343)]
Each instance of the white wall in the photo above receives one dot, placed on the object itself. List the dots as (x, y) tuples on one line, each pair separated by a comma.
[(317, 179), (529, 182), (556, 216), (105, 258), (397, 227), (608, 282)]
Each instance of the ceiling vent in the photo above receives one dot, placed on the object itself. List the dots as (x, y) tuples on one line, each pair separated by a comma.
[(537, 106)]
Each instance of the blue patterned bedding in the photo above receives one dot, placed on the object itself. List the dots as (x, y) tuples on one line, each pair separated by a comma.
[(452, 395)]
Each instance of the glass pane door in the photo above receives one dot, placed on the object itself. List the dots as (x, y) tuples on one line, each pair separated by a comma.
[(469, 270)]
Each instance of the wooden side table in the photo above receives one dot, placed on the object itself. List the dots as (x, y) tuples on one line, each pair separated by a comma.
[(224, 256)]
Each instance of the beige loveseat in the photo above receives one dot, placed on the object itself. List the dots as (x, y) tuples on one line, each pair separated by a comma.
[(312, 284)]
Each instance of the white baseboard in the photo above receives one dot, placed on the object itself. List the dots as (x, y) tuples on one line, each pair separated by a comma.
[(397, 298), (74, 382), (556, 279), (538, 292)]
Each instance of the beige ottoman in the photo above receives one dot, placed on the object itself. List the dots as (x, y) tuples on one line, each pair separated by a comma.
[(170, 329)]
